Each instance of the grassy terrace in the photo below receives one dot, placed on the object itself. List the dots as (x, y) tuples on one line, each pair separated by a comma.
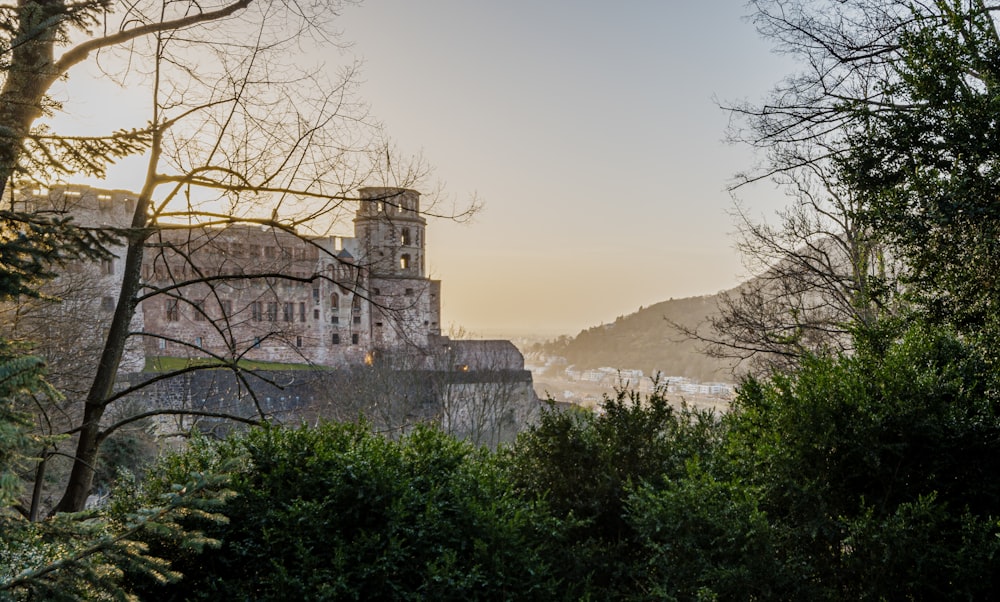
[(169, 364)]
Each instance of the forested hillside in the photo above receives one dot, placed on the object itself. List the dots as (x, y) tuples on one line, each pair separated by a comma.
[(647, 341)]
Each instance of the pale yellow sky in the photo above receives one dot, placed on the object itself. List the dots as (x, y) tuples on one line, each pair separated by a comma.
[(589, 130)]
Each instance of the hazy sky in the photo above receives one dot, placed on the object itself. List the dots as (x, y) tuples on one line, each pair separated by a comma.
[(590, 130)]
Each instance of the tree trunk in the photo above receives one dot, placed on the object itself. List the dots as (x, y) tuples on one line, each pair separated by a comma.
[(90, 436), (28, 79)]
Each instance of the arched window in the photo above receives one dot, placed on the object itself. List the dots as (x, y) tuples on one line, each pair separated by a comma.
[(405, 238), (356, 303), (334, 301)]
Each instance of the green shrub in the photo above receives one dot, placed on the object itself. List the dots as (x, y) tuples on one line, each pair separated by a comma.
[(338, 513)]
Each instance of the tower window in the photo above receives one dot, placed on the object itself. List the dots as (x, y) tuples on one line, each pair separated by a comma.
[(405, 238), (404, 261)]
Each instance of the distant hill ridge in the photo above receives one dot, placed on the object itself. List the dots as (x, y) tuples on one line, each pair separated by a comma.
[(645, 340)]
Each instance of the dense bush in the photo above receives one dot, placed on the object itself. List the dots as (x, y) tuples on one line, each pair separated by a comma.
[(880, 472), (339, 513), (587, 466)]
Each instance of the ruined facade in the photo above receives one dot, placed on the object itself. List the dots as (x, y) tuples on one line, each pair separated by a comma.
[(270, 295), (265, 294)]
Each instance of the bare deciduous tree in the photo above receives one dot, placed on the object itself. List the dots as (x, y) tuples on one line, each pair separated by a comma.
[(239, 131), (816, 276)]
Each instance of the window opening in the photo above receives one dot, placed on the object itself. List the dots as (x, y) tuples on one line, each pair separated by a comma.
[(173, 310)]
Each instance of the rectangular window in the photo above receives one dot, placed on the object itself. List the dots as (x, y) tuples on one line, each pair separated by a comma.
[(336, 338), (302, 311), (298, 341), (257, 311), (378, 325), (108, 266), (199, 312), (315, 314), (270, 253), (354, 339), (409, 292), (108, 303), (315, 294), (335, 320), (173, 310), (161, 344), (272, 312), (197, 342), (288, 312), (357, 319)]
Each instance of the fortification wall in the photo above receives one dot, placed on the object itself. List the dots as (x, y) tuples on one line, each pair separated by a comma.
[(486, 406)]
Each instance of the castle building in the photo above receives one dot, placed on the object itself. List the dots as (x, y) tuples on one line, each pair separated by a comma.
[(238, 292), (262, 293)]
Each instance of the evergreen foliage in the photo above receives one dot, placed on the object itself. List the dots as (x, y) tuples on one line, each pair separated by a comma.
[(339, 513)]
